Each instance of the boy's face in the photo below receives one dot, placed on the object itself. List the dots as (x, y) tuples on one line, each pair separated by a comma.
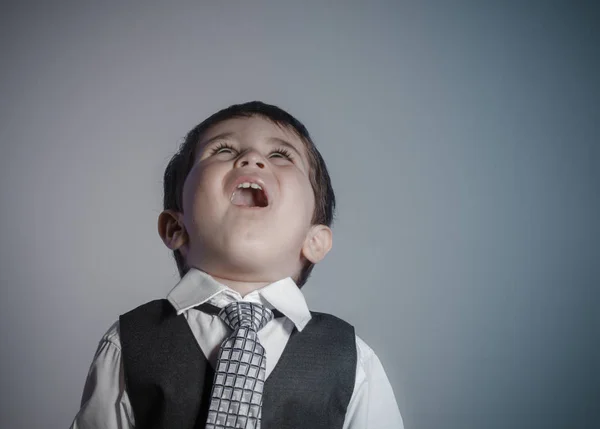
[(248, 234)]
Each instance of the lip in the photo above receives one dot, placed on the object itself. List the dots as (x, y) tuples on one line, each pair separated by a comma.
[(250, 178)]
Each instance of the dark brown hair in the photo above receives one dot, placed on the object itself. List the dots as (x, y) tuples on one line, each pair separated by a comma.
[(182, 162)]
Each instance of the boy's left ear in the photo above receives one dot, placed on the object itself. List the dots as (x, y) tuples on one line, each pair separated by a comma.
[(318, 243)]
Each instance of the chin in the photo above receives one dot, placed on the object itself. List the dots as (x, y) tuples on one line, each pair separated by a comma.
[(249, 254), (253, 258)]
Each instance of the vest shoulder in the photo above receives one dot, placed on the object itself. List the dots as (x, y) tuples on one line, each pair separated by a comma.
[(155, 307), (330, 319)]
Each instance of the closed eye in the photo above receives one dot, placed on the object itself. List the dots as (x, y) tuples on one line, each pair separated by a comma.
[(282, 153), (223, 147)]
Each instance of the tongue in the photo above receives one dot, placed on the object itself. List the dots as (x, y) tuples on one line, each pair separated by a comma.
[(243, 197)]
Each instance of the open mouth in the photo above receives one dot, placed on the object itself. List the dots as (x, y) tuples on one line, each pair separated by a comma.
[(249, 195)]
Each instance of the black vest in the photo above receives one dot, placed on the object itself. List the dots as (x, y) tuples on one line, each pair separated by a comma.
[(169, 380)]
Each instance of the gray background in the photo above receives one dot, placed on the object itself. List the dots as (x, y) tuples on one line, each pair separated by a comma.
[(462, 140)]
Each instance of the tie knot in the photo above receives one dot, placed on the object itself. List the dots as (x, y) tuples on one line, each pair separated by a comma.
[(246, 314)]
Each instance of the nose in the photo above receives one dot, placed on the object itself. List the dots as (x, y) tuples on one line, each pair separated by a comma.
[(250, 158)]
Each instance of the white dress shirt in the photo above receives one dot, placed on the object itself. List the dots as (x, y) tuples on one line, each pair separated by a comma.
[(105, 404)]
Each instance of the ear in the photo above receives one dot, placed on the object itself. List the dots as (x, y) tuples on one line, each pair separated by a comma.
[(171, 230), (318, 243)]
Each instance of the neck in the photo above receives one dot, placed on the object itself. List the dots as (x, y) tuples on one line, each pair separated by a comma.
[(243, 288)]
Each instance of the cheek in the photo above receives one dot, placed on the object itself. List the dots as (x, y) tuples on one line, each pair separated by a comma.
[(302, 200), (190, 189), (200, 190)]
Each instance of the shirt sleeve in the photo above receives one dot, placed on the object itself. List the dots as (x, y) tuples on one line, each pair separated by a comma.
[(104, 403), (373, 404)]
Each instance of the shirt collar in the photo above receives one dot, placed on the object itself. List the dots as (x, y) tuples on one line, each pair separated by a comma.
[(197, 287)]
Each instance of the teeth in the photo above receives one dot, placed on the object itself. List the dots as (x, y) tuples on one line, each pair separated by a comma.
[(249, 185)]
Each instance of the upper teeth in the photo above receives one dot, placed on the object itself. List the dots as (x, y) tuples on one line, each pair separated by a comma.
[(249, 185)]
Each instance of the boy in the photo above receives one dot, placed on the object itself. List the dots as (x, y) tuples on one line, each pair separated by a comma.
[(248, 207)]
